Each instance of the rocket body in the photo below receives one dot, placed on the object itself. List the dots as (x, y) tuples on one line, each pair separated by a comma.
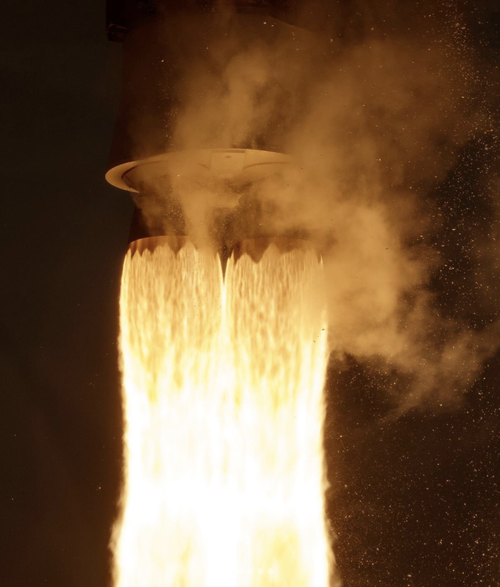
[(204, 110)]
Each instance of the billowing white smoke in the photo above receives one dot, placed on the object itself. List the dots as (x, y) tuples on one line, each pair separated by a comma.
[(379, 120)]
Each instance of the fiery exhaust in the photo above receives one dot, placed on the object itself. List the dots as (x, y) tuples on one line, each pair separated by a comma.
[(223, 394)]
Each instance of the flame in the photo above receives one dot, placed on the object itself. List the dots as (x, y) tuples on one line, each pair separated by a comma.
[(223, 397)]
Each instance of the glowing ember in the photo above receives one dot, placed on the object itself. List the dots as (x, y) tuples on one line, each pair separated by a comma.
[(223, 387)]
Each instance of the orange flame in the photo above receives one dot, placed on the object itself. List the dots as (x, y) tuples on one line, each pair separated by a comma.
[(223, 391)]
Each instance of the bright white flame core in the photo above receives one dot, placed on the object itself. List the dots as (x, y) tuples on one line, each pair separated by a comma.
[(223, 393)]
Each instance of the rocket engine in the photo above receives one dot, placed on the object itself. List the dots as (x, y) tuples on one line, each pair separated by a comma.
[(163, 161)]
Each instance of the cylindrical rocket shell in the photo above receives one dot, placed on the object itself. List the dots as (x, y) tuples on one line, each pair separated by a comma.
[(185, 69)]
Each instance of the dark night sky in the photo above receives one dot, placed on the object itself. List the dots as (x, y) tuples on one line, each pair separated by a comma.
[(414, 501), (64, 231)]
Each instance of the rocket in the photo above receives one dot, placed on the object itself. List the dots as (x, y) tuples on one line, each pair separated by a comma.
[(188, 66)]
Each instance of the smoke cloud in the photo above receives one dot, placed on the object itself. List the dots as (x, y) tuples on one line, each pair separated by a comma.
[(390, 114)]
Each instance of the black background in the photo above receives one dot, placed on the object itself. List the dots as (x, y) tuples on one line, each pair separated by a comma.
[(413, 500)]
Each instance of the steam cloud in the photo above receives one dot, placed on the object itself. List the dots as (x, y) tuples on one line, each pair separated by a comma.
[(392, 123)]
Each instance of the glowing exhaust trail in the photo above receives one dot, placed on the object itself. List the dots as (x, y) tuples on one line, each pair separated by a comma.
[(223, 395)]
